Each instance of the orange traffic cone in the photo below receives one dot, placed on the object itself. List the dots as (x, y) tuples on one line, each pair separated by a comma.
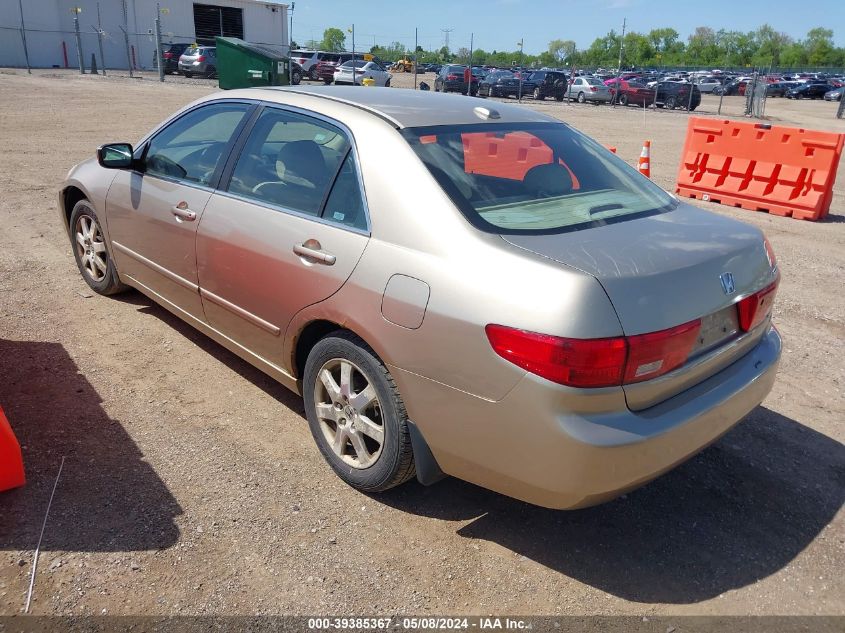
[(11, 464), (644, 163)]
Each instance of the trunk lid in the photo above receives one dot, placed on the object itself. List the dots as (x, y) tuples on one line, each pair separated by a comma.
[(666, 270)]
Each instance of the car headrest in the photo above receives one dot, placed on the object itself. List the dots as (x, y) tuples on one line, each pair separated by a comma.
[(548, 180), (303, 163)]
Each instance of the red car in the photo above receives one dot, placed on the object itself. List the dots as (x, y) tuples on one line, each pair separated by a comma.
[(324, 69), (631, 92)]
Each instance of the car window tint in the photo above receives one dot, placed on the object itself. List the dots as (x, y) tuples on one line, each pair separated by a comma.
[(289, 161), (345, 203), (191, 148)]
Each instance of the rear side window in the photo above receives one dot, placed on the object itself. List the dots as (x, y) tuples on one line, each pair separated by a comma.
[(533, 177)]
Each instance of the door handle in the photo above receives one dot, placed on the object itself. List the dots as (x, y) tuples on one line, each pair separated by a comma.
[(310, 249), (183, 213)]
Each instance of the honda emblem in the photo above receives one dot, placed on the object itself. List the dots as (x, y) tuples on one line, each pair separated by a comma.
[(727, 280)]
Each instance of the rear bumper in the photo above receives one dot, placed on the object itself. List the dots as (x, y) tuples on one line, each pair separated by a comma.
[(530, 445)]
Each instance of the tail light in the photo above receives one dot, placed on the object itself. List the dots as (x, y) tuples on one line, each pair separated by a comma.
[(566, 361), (754, 308), (593, 89), (201, 58), (658, 353), (605, 362), (452, 77), (168, 56)]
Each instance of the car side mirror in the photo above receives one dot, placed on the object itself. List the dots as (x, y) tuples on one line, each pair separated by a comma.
[(115, 156)]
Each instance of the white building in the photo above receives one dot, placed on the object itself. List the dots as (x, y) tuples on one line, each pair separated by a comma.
[(52, 43)]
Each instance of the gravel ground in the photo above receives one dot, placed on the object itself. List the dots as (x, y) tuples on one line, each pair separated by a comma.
[(191, 484)]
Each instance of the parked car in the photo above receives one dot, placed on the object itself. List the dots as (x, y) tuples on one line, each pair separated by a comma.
[(296, 73), (834, 95), (584, 89), (809, 90), (171, 54), (325, 68), (374, 302), (631, 93), (451, 79), (493, 84), (735, 87), (671, 95), (307, 59), (547, 83), (198, 60), (779, 88), (356, 70), (708, 84)]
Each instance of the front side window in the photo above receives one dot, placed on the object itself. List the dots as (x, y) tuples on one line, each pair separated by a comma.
[(300, 163), (191, 149), (533, 177)]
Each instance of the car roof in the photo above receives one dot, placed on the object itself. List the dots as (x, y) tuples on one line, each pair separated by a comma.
[(407, 108)]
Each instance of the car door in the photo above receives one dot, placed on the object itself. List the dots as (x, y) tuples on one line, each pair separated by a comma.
[(153, 212), (285, 230)]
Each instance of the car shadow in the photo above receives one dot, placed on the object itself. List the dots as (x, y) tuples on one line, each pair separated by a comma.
[(738, 512), (734, 514), (234, 362), (108, 497)]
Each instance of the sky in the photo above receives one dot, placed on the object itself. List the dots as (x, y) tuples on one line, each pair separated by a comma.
[(500, 24)]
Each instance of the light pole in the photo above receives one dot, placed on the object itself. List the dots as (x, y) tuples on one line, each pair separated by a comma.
[(520, 43), (76, 11), (290, 45)]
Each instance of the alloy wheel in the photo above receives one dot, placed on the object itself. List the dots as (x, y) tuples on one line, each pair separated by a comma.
[(349, 413), (91, 248)]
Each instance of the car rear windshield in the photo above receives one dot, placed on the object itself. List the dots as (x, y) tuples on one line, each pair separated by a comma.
[(593, 82), (534, 178)]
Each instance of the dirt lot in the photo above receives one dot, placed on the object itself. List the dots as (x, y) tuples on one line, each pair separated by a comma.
[(191, 484)]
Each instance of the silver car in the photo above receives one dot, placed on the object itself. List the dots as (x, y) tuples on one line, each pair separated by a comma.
[(584, 89), (199, 60), (523, 310)]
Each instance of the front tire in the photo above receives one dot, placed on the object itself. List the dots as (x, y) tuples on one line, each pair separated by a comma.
[(671, 103), (538, 96), (356, 414), (90, 251), (623, 100)]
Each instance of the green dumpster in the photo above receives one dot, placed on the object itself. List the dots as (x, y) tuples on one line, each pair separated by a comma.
[(245, 65)]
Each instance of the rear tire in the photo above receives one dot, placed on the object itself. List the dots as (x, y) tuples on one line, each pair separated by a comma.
[(671, 103), (356, 414), (91, 252), (582, 98), (188, 75)]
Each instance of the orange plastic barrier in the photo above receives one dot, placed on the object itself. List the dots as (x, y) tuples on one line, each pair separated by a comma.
[(782, 170), (11, 461)]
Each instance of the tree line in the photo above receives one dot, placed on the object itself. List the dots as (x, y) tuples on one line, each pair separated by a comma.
[(662, 47)]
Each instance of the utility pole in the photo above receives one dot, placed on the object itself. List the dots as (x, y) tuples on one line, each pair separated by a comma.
[(521, 44), (619, 69), (158, 43), (353, 55), (76, 11), (469, 85), (23, 37), (125, 30), (416, 53), (446, 36), (290, 46), (100, 39)]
